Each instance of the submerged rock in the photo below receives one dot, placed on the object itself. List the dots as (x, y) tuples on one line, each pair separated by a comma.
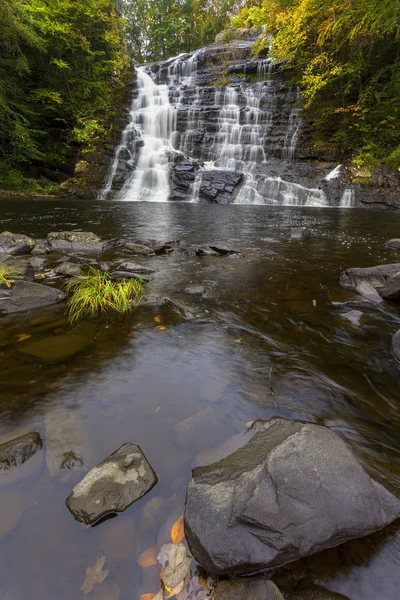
[(396, 345), (224, 250), (375, 276), (15, 243), (57, 348), (316, 592), (67, 442), (134, 268), (254, 589), (293, 490), (74, 240), (17, 451), (113, 485), (118, 275), (26, 295), (354, 316), (300, 233)]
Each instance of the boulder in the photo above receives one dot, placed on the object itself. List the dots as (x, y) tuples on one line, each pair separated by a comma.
[(391, 288), (25, 296), (17, 451), (252, 589), (74, 240), (375, 276), (118, 275), (18, 268), (68, 269), (40, 248), (139, 249), (113, 485), (15, 243), (393, 244), (366, 290), (134, 268), (396, 345), (293, 490), (300, 233)]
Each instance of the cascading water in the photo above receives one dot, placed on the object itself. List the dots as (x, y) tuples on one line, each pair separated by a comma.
[(348, 199), (182, 123)]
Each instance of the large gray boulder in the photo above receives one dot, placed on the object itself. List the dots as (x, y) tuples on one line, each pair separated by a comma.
[(391, 288), (25, 296), (251, 589), (375, 276), (15, 452), (15, 243), (113, 485), (293, 490), (396, 345), (74, 240)]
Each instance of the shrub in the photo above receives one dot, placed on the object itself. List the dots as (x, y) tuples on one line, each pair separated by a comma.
[(394, 158), (95, 293)]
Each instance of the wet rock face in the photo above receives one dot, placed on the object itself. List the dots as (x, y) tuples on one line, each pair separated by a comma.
[(25, 296), (74, 240), (375, 276), (113, 485), (15, 243), (293, 490), (17, 451)]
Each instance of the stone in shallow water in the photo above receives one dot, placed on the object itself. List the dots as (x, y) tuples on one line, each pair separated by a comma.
[(251, 589), (354, 316), (365, 289), (315, 592), (17, 451), (74, 240), (25, 296), (391, 288), (15, 243), (394, 244), (68, 269), (396, 345), (57, 347), (113, 485), (300, 233), (375, 276), (134, 268), (139, 249), (293, 490)]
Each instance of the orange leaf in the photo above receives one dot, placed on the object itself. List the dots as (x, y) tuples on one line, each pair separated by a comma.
[(147, 596), (177, 531), (23, 336), (148, 557), (160, 328)]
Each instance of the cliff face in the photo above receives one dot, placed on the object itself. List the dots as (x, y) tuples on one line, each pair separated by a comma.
[(221, 125)]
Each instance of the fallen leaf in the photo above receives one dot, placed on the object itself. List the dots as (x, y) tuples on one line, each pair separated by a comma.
[(158, 408), (177, 531), (157, 319), (173, 497), (147, 596), (238, 341), (160, 327), (23, 336), (178, 566), (94, 575), (148, 557)]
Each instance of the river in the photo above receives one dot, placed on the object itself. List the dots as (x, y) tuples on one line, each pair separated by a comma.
[(269, 341)]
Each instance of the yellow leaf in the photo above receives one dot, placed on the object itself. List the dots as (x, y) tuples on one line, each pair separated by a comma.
[(157, 319), (178, 531), (158, 408), (148, 557), (238, 341), (160, 328), (23, 336)]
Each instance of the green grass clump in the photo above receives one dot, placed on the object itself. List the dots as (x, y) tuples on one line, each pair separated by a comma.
[(95, 293), (8, 273)]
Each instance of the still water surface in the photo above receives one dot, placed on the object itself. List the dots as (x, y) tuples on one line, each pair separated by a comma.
[(181, 391)]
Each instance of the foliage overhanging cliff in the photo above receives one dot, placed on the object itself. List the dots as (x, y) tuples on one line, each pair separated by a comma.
[(345, 55)]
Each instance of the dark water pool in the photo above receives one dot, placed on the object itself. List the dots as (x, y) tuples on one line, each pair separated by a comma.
[(271, 344)]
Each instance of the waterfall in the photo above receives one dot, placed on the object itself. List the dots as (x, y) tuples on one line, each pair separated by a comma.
[(348, 199), (187, 134)]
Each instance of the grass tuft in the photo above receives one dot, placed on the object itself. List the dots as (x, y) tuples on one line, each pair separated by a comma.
[(8, 274), (95, 293)]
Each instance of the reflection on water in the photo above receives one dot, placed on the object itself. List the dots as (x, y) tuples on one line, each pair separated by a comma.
[(182, 391)]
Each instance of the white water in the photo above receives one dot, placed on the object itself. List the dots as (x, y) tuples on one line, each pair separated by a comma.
[(242, 142), (334, 174), (348, 199)]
